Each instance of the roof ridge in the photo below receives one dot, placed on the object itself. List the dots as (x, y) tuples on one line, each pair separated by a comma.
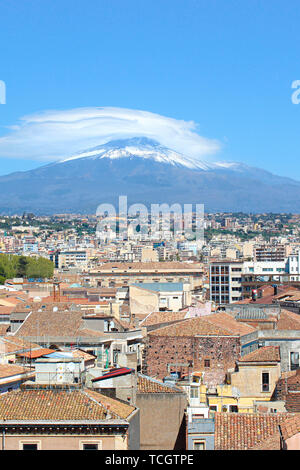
[(99, 403), (152, 379)]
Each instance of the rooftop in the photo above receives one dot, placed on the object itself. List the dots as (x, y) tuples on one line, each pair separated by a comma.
[(264, 354), (161, 286), (60, 405), (215, 324), (244, 431), (147, 384)]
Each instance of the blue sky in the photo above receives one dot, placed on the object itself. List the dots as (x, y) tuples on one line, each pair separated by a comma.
[(226, 66)]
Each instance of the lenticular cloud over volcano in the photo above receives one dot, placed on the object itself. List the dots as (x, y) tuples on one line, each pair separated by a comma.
[(54, 135)]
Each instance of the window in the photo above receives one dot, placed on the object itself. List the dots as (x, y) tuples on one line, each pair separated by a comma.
[(198, 445), (265, 382), (30, 447), (215, 269), (90, 446), (194, 392), (206, 362), (197, 416), (233, 408), (294, 360)]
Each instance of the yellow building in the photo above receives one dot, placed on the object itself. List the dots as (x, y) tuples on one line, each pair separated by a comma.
[(254, 380)]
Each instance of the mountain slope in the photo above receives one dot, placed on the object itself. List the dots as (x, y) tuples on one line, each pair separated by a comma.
[(147, 173)]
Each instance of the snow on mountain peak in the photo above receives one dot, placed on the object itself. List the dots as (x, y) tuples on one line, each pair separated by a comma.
[(141, 147)]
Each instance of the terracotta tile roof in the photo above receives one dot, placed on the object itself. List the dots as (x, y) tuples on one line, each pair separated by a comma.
[(290, 426), (191, 327), (79, 353), (5, 310), (243, 431), (8, 370), (270, 443), (227, 321), (36, 353), (13, 344), (79, 301), (155, 318), (221, 324), (49, 323), (34, 306), (147, 384), (3, 329), (10, 301), (288, 321), (119, 408), (149, 266), (291, 295), (88, 332), (264, 354), (50, 299), (56, 405)]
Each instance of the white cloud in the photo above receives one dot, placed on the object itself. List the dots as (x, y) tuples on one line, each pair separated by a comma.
[(54, 135)]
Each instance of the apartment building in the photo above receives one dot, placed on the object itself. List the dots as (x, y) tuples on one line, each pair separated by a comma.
[(231, 281), (293, 266), (65, 259), (263, 268), (225, 281), (269, 252), (111, 274)]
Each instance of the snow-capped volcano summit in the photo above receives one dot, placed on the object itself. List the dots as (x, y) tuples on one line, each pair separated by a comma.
[(148, 173), (142, 147)]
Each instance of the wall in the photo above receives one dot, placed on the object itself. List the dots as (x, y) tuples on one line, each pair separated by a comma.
[(161, 419), (134, 431), (201, 430), (163, 350), (64, 442), (248, 380), (293, 443), (142, 301)]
